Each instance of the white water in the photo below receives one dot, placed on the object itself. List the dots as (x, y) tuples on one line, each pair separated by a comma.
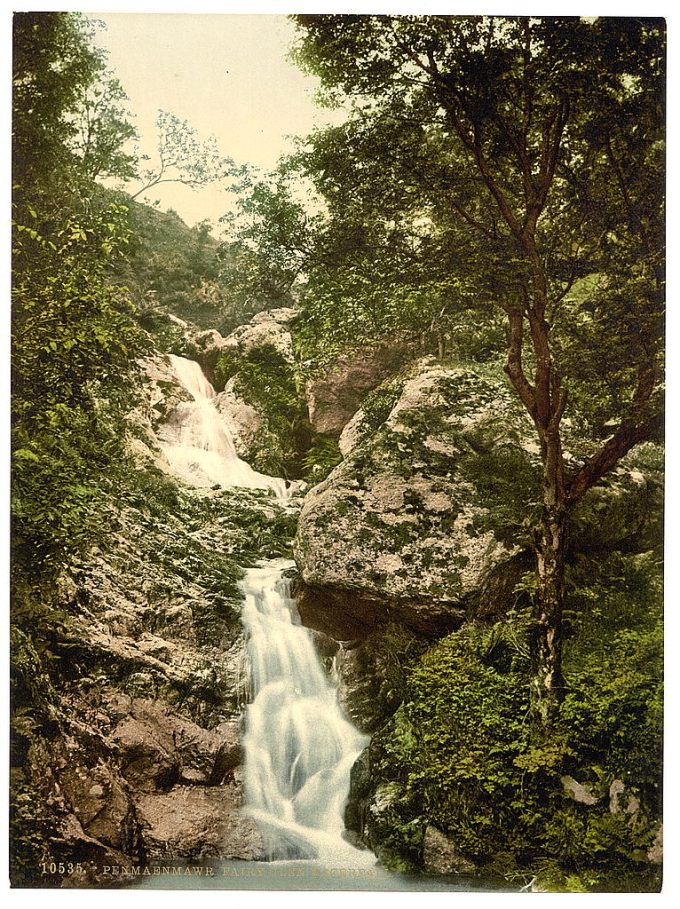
[(299, 747), (199, 444)]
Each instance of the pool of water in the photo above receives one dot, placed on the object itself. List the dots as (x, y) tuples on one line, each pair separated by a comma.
[(301, 875)]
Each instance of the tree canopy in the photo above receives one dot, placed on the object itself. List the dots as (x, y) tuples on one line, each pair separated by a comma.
[(498, 186)]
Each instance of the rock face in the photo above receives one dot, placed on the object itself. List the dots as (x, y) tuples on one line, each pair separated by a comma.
[(372, 675), (407, 519), (440, 855), (158, 747), (245, 421), (137, 750), (335, 396)]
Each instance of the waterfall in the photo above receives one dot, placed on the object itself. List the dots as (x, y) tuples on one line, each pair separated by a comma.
[(299, 747), (198, 442)]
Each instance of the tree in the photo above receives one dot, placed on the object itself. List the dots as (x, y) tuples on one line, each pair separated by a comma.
[(104, 131), (541, 153), (268, 241), (73, 334), (182, 156)]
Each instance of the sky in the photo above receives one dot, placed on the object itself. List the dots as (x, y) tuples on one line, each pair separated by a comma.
[(228, 75)]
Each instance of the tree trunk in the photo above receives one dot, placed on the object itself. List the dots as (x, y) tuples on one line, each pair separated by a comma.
[(547, 683)]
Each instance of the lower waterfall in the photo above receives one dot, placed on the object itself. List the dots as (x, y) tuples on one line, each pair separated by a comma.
[(299, 747)]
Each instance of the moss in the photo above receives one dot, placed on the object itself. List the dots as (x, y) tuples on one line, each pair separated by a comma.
[(378, 405)]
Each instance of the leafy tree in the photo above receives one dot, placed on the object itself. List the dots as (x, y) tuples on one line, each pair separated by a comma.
[(73, 334), (51, 64), (532, 152), (104, 131), (181, 157)]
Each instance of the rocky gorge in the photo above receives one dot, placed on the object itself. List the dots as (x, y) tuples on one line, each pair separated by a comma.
[(413, 564)]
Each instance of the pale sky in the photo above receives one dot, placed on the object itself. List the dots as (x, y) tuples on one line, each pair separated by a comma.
[(227, 75)]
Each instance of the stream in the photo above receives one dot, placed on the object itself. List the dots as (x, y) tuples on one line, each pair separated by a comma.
[(299, 747)]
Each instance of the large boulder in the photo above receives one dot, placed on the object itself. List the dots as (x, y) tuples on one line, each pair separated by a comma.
[(158, 747), (419, 515), (195, 822), (425, 519)]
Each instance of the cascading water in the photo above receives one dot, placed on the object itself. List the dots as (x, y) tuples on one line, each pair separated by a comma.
[(299, 747), (199, 444)]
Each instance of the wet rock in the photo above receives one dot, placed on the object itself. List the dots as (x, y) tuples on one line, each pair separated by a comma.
[(372, 677), (440, 856), (326, 647)]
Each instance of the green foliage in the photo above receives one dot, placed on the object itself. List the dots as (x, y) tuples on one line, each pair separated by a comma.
[(378, 404), (171, 267), (267, 241), (55, 67), (320, 458), (104, 131), (461, 746), (267, 380), (74, 338)]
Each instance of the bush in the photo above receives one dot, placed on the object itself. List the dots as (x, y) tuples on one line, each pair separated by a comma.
[(462, 751)]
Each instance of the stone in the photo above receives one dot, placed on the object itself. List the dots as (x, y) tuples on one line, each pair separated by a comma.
[(579, 792), (615, 791), (336, 394), (352, 434), (440, 856), (372, 679), (195, 822), (157, 745), (626, 510), (244, 420), (269, 327), (655, 851), (400, 524), (99, 801)]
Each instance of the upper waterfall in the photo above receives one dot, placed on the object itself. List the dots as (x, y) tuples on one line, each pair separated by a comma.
[(198, 441)]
